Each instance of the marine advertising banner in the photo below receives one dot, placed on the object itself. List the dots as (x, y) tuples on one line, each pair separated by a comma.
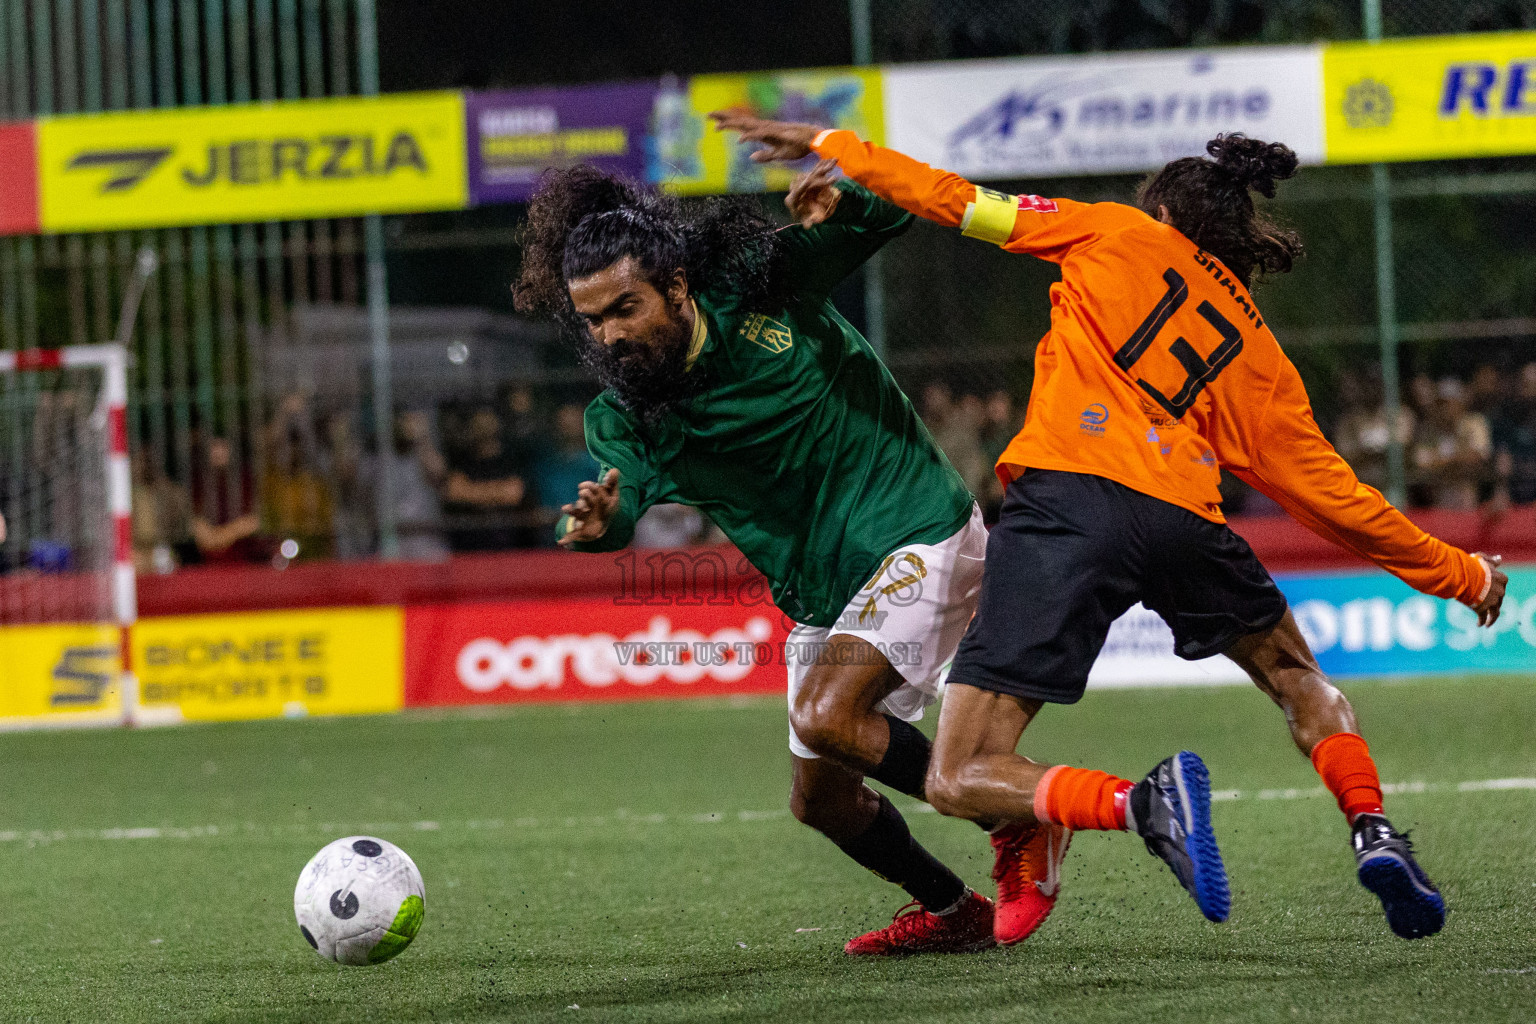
[(515, 136), (1025, 117), (1431, 98), (691, 157), (252, 162)]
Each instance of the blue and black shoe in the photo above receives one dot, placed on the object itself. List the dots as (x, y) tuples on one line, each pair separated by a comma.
[(1414, 906), (1171, 810)]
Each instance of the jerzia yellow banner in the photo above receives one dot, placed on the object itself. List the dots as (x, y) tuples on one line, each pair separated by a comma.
[(253, 162), (1431, 98)]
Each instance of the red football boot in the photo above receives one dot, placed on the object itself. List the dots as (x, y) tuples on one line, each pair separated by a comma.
[(914, 930), (1028, 874)]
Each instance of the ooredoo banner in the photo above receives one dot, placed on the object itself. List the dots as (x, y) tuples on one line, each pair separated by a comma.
[(1022, 117), (595, 649), (515, 136)]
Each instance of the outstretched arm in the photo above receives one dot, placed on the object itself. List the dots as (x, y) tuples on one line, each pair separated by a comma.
[(1299, 469), (1048, 228)]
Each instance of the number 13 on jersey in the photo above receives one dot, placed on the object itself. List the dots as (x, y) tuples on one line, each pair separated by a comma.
[(1199, 370)]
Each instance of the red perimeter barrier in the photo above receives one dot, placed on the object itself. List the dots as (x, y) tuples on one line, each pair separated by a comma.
[(1280, 542), (538, 626)]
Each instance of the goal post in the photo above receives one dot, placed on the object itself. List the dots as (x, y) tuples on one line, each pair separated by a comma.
[(67, 584)]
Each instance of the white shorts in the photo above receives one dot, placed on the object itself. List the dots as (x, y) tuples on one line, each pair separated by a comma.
[(914, 612)]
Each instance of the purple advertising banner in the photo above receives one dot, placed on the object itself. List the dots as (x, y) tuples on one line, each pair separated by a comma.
[(515, 136)]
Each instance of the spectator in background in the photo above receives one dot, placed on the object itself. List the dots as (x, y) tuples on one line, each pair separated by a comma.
[(956, 428), (352, 507), (486, 487), (1423, 396), (524, 428), (563, 463), (1487, 391), (1362, 433), (224, 523), (162, 518), (296, 489), (1452, 450), (417, 475), (1514, 441)]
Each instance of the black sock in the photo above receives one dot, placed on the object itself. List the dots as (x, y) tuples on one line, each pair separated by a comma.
[(905, 764), (888, 849)]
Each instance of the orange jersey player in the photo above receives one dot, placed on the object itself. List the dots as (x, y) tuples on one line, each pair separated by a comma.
[(1158, 372)]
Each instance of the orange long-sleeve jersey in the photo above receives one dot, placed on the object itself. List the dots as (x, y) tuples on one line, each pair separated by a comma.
[(1159, 370)]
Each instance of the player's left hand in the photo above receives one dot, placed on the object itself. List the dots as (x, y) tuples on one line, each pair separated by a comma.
[(814, 195), (1488, 608), (781, 140)]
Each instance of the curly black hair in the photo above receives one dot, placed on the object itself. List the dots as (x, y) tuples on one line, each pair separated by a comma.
[(1209, 202), (581, 220)]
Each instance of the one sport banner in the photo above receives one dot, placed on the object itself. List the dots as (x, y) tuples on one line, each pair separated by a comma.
[(1357, 623)]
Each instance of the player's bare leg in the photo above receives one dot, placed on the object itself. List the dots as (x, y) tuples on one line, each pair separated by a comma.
[(1323, 725), (975, 773), (834, 715)]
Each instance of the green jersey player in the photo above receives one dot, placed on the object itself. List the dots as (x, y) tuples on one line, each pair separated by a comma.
[(733, 385)]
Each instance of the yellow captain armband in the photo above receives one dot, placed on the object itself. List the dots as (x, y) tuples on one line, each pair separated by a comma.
[(991, 217)]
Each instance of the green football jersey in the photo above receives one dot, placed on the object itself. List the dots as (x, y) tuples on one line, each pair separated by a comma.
[(803, 450)]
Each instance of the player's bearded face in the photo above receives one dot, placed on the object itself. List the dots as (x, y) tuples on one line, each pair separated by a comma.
[(640, 352)]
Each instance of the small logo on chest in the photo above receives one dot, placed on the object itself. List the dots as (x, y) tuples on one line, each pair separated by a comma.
[(767, 332)]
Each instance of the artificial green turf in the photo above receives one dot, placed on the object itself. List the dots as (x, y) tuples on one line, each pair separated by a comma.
[(635, 861)]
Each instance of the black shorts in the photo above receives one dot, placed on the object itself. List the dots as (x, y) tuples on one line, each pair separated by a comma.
[(1071, 553)]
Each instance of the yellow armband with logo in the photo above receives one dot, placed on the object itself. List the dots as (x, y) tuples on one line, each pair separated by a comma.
[(991, 217)]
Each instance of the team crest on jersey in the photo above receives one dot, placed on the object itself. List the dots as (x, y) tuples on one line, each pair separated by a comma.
[(767, 332)]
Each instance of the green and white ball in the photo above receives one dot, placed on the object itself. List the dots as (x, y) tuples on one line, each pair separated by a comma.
[(359, 901)]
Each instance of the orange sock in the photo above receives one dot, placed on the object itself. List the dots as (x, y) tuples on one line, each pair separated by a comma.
[(1080, 798), (1344, 762)]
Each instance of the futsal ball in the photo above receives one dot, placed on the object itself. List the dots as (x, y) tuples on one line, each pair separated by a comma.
[(359, 901)]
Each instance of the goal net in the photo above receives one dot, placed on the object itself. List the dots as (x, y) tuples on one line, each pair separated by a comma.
[(66, 561)]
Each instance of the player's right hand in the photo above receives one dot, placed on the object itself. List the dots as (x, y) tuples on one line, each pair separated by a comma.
[(1488, 608), (814, 195), (781, 140), (593, 508)]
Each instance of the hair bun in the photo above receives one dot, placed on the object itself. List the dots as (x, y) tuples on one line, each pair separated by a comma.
[(1258, 165)]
